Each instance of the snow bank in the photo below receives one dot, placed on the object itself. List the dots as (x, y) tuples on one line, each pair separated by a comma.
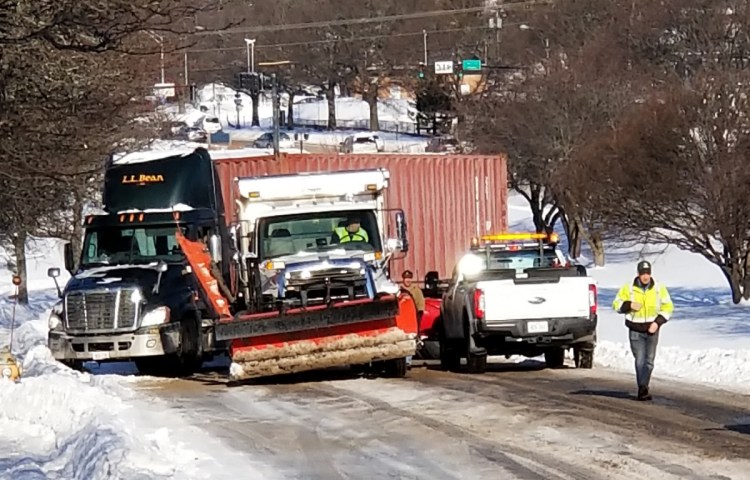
[(708, 338), (57, 423)]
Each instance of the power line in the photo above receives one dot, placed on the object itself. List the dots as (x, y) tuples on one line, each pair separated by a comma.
[(351, 39), (365, 20)]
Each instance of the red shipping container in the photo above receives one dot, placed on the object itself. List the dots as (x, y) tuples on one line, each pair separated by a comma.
[(447, 199)]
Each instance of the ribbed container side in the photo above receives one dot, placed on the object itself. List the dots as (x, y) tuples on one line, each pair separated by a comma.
[(447, 199)]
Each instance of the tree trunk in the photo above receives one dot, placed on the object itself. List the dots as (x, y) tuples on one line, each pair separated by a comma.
[(597, 247), (76, 241), (746, 278), (573, 233), (19, 247), (331, 97), (255, 97), (372, 101), (594, 239), (734, 276), (290, 112)]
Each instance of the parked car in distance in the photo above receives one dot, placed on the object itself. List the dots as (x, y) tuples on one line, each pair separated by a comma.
[(443, 144), (362, 143), (211, 124), (195, 134), (266, 141)]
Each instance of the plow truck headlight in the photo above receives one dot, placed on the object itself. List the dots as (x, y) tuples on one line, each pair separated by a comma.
[(7, 372), (157, 316)]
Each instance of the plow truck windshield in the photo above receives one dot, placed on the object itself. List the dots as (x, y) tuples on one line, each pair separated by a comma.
[(318, 232)]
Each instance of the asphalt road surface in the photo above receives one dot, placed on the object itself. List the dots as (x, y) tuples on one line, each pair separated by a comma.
[(516, 421)]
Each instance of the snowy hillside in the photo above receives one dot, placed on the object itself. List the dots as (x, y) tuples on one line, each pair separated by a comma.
[(396, 116)]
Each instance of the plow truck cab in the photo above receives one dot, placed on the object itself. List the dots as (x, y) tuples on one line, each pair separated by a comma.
[(314, 262)]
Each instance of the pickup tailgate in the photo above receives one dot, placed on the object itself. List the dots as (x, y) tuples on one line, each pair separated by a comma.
[(535, 298)]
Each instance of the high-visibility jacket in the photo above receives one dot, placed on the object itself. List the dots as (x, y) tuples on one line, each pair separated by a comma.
[(358, 236), (655, 302)]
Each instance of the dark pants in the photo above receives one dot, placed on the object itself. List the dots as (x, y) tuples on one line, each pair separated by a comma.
[(643, 346)]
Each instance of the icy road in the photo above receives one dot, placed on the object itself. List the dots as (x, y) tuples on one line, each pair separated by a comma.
[(516, 421)]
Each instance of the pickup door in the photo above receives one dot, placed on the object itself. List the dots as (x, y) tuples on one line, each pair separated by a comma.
[(536, 298)]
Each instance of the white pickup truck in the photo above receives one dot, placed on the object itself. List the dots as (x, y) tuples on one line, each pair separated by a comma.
[(516, 294)]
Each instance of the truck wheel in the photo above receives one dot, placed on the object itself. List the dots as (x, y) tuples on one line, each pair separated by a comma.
[(184, 362), (584, 358), (476, 363), (554, 357), (395, 368), (450, 359), (76, 365)]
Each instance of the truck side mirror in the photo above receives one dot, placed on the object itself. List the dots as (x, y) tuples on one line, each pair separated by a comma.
[(214, 247), (53, 273), (401, 231), (68, 254)]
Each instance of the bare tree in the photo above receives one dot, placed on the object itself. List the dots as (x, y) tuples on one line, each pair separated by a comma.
[(68, 95)]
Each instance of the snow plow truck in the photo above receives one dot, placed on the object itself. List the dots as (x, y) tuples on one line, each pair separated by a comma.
[(297, 280)]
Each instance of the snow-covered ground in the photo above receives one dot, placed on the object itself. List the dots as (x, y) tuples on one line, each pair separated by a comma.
[(708, 338), (353, 114), (61, 424)]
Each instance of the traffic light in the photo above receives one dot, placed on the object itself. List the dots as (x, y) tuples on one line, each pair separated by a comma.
[(421, 71)]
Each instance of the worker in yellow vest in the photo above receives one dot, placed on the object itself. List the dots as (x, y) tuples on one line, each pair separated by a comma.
[(647, 307), (352, 232)]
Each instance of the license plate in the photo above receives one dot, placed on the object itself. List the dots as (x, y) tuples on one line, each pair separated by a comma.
[(537, 327), (99, 355)]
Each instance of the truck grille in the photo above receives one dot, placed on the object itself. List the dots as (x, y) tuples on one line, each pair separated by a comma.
[(104, 311)]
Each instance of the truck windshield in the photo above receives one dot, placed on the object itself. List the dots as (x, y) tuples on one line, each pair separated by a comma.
[(316, 232), (112, 246), (522, 259)]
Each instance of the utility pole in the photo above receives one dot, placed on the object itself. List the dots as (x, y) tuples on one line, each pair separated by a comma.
[(424, 35), (276, 133), (187, 82)]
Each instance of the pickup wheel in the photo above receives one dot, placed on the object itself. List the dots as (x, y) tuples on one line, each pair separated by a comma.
[(554, 357), (476, 363), (584, 358)]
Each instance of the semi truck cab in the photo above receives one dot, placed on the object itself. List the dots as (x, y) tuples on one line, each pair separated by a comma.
[(132, 295)]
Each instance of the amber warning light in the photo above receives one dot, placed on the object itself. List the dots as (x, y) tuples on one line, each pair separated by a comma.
[(515, 237)]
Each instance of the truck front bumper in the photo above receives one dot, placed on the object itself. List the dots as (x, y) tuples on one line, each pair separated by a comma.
[(146, 342), (543, 332)]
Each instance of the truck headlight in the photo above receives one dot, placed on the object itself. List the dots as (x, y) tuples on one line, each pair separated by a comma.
[(7, 372), (136, 296), (55, 316), (157, 316)]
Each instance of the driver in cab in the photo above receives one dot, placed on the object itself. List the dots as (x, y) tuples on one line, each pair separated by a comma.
[(352, 232)]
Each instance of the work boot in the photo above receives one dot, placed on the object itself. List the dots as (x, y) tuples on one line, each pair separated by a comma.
[(643, 394)]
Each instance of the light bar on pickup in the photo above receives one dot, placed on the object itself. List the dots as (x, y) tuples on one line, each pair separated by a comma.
[(510, 237)]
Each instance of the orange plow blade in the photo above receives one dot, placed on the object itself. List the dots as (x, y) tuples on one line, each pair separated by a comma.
[(356, 332)]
